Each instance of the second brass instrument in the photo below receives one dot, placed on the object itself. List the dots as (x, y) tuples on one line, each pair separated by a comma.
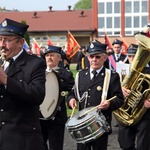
[(138, 83)]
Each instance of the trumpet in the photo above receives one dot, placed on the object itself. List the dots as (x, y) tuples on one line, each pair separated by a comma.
[(2, 58)]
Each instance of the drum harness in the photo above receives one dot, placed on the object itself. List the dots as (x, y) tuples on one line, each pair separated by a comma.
[(85, 94)]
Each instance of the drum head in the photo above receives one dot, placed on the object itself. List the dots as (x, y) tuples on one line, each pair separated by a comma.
[(50, 102), (81, 117)]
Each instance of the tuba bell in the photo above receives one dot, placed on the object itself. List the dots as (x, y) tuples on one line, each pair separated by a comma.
[(139, 85)]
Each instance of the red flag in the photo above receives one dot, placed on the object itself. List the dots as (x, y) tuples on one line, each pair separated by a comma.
[(35, 48), (107, 41), (124, 46), (49, 42), (72, 46)]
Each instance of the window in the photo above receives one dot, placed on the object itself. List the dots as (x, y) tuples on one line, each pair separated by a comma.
[(128, 21), (101, 22), (127, 7), (136, 7), (44, 38), (62, 38), (136, 21), (144, 6), (128, 32), (116, 22), (144, 21), (54, 38), (116, 7), (37, 38), (109, 7), (109, 22), (101, 9)]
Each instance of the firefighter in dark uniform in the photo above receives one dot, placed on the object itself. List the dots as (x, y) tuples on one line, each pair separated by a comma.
[(136, 137), (53, 129), (22, 90), (117, 48), (92, 89)]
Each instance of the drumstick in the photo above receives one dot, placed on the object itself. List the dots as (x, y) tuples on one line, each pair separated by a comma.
[(72, 112), (96, 107)]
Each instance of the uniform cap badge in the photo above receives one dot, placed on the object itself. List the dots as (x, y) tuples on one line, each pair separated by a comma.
[(4, 23)]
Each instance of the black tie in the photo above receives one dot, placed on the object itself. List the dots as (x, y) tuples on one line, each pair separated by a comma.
[(10, 63), (94, 73)]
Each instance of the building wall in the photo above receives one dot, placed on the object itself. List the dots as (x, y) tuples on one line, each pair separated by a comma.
[(122, 18)]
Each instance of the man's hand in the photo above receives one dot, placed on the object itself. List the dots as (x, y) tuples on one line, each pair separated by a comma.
[(73, 103), (125, 92), (147, 103), (104, 105), (3, 76)]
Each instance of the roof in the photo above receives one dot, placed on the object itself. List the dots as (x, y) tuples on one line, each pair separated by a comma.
[(45, 21)]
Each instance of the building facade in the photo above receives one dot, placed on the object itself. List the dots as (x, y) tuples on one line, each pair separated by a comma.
[(121, 17)]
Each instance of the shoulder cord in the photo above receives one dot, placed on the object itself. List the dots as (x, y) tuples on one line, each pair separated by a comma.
[(85, 94), (76, 89)]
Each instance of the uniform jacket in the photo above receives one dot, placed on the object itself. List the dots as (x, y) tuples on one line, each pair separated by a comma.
[(65, 77), (121, 58), (19, 104), (95, 91)]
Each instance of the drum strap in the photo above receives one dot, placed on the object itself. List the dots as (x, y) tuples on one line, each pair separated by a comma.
[(106, 84)]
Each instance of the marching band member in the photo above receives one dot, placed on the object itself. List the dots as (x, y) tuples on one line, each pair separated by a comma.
[(90, 91), (117, 48), (136, 137), (53, 129), (22, 90)]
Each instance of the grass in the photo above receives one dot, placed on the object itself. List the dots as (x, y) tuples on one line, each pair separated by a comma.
[(74, 71)]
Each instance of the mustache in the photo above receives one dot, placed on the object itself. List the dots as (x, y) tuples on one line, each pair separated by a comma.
[(3, 49)]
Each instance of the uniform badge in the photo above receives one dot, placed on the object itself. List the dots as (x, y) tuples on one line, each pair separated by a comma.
[(92, 45), (99, 88), (4, 23)]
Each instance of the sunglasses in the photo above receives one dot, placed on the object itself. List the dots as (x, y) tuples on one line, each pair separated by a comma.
[(97, 57)]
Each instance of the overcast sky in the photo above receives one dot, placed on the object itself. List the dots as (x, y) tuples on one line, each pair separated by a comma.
[(39, 5)]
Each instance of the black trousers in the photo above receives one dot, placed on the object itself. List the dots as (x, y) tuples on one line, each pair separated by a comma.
[(136, 137), (98, 144), (54, 134)]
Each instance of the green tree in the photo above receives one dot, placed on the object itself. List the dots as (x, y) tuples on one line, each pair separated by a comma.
[(83, 4), (26, 35)]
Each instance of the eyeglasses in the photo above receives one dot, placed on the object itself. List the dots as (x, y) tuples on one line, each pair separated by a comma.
[(7, 41), (92, 56)]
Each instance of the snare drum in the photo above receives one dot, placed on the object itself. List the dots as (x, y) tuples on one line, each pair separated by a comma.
[(88, 127)]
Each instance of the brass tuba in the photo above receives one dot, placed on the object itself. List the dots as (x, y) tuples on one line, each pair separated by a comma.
[(139, 85)]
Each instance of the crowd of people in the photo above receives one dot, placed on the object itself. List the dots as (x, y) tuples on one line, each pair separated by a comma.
[(97, 84)]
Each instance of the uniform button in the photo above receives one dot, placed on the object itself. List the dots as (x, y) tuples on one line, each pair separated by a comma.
[(20, 80), (89, 96), (2, 110), (88, 104), (34, 128), (3, 123), (2, 96), (89, 89)]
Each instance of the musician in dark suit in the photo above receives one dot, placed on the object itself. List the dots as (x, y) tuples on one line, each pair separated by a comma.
[(53, 128), (90, 91), (22, 90), (136, 137), (117, 48)]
